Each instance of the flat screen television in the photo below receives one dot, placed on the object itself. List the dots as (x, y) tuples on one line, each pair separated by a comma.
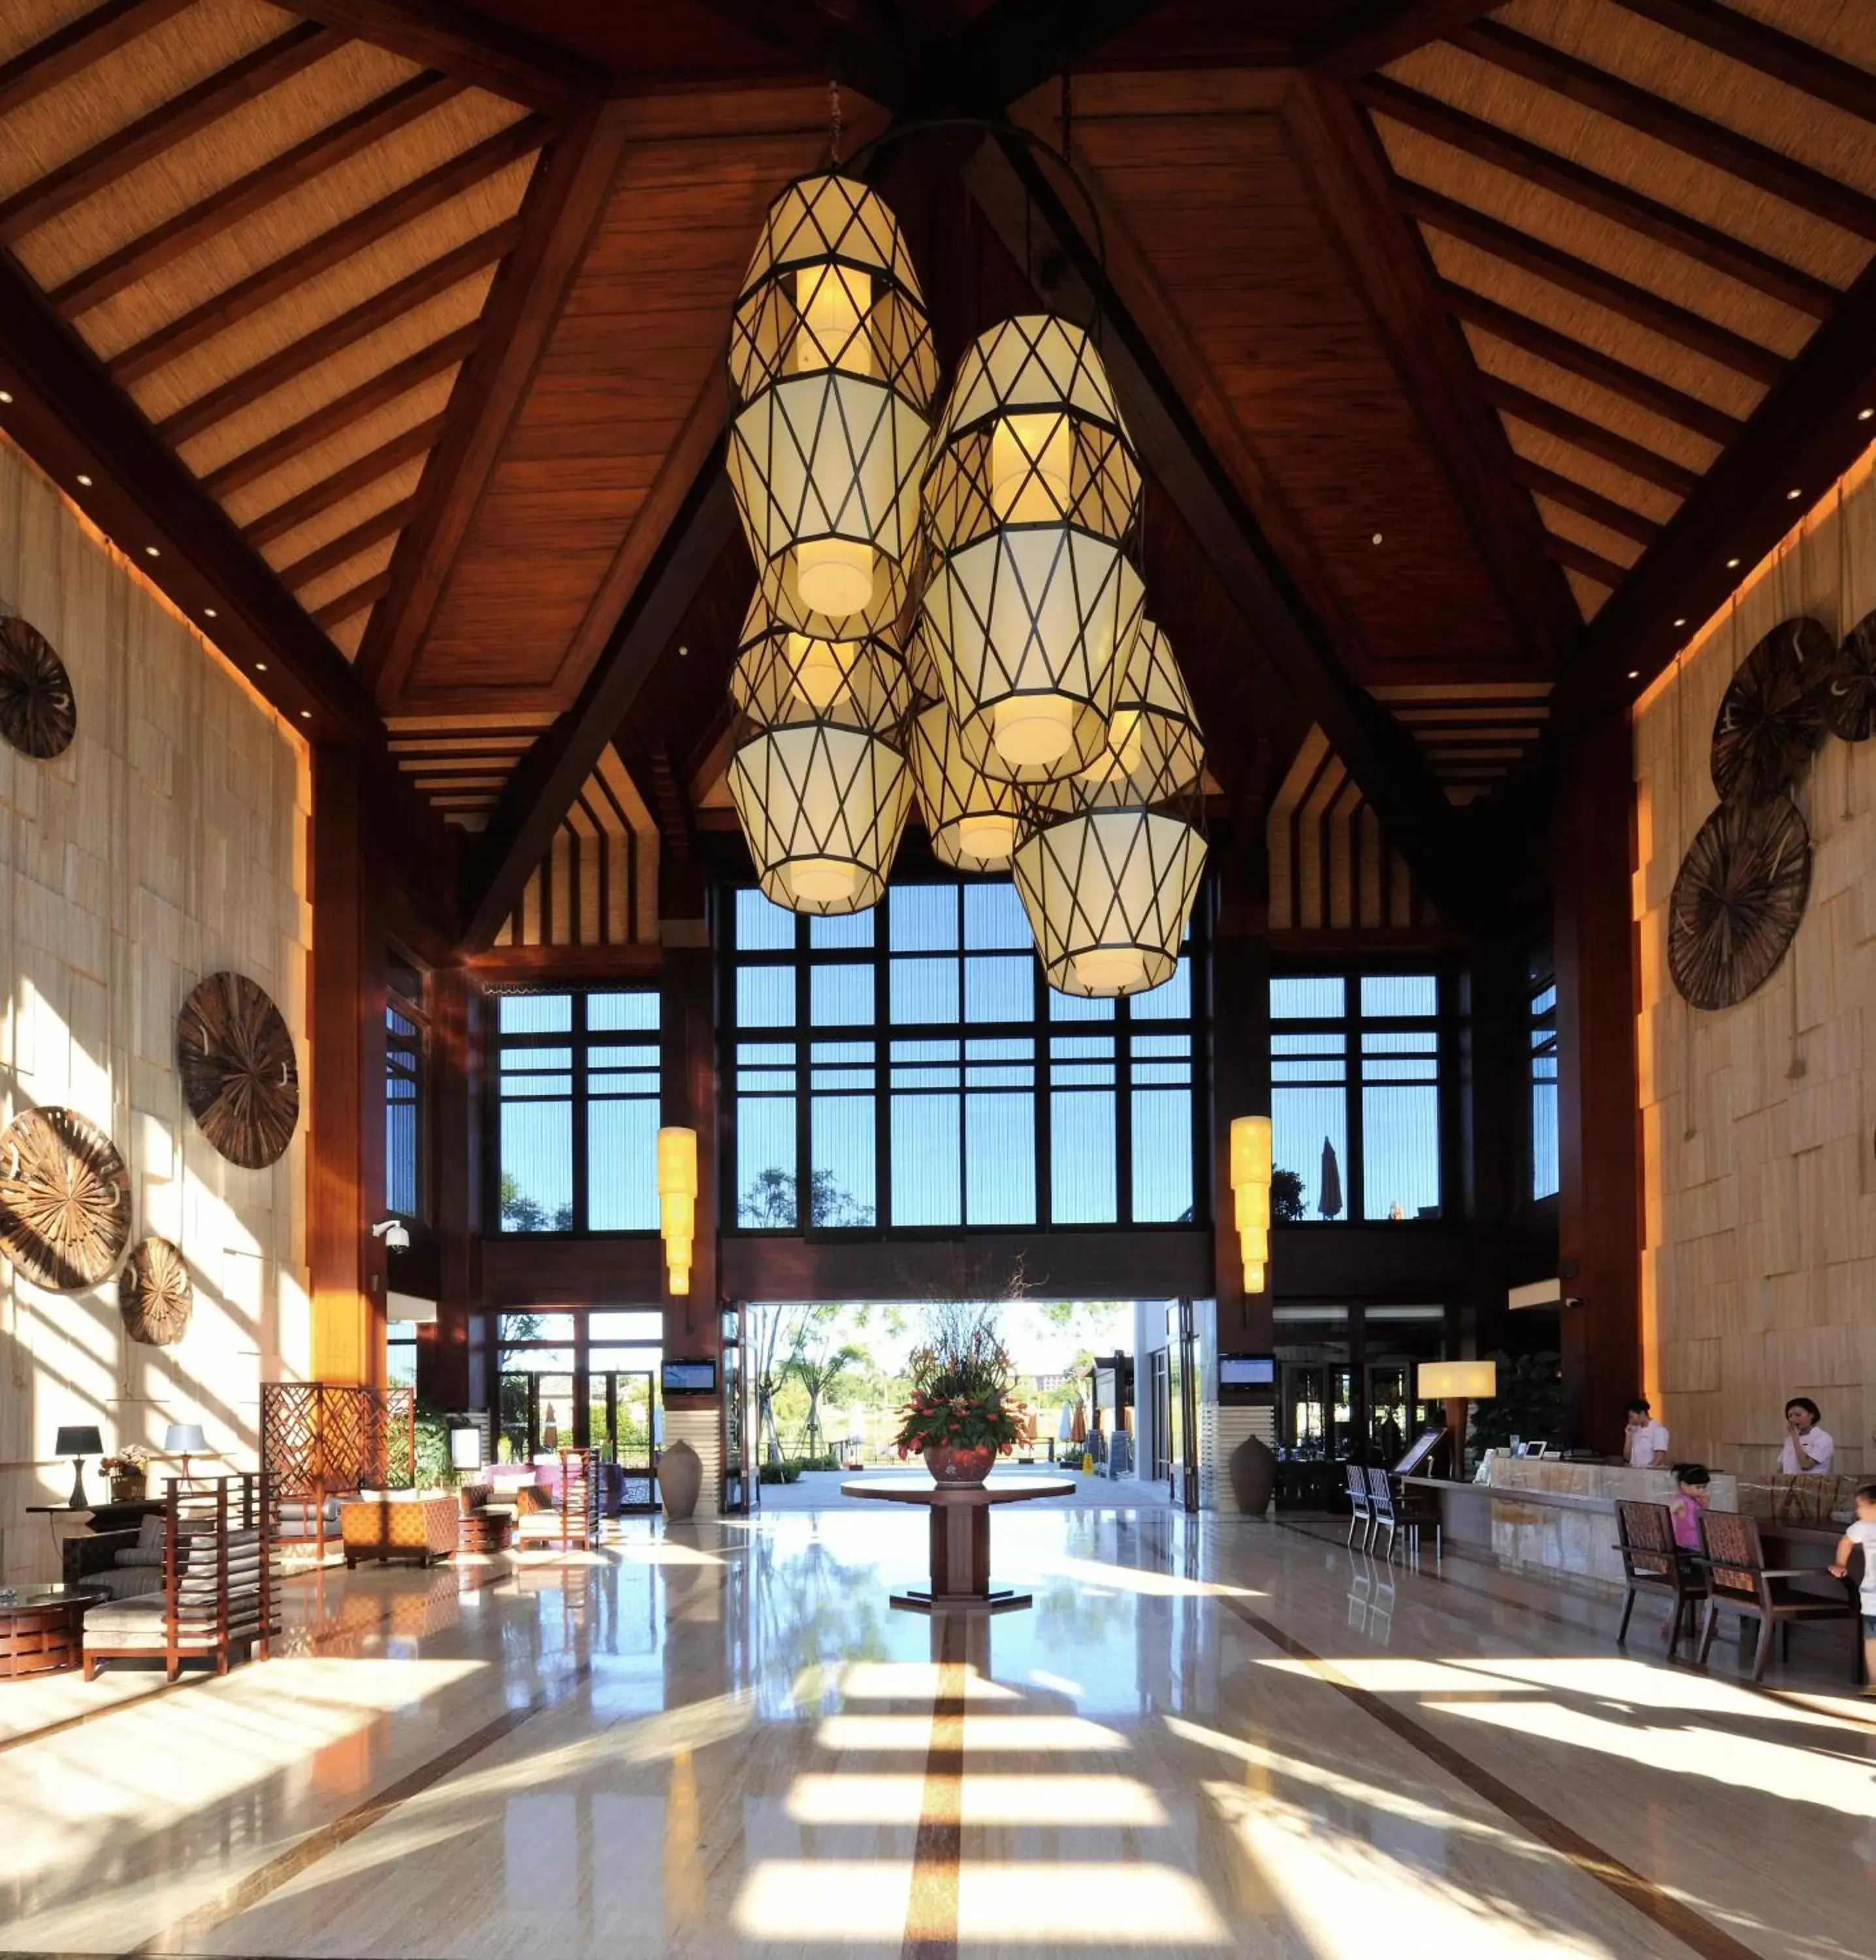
[(1246, 1371), (689, 1378)]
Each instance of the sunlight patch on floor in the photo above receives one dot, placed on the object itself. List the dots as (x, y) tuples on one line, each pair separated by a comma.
[(992, 1734), (1131, 1904), (824, 1899), (1043, 1803), (1093, 1573)]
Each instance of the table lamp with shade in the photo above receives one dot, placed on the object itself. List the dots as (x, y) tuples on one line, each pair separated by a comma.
[(1458, 1384), (184, 1439), (78, 1441)]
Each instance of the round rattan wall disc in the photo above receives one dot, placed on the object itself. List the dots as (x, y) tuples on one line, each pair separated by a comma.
[(38, 714), (154, 1294), (238, 1071), (1850, 700), (1772, 716), (64, 1200), (1738, 900)]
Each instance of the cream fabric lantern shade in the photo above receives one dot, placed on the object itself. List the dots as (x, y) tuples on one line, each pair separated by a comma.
[(677, 1201), (833, 371), (1252, 1161), (1457, 1381), (783, 675), (973, 820)]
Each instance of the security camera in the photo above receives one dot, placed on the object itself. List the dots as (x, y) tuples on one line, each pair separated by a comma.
[(395, 1233)]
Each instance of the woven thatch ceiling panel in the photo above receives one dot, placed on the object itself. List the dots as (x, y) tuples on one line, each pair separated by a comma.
[(1563, 521), (1612, 149), (1607, 479), (1845, 27), (390, 491), (26, 22), (322, 591)]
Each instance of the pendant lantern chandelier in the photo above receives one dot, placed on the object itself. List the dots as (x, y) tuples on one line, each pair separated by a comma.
[(1032, 603), (784, 675), (832, 373), (972, 817)]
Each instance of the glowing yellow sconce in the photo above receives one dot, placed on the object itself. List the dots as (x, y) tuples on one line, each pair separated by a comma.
[(677, 1202), (1251, 1163)]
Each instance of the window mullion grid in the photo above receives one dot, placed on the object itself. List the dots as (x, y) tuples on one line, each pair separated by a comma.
[(1044, 1092), (804, 1081), (580, 1117), (1124, 1114), (882, 1072)]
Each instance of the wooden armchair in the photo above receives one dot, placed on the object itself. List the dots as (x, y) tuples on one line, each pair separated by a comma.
[(1651, 1562), (1738, 1575)]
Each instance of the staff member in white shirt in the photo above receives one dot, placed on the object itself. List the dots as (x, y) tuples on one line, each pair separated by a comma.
[(1808, 1450), (1645, 1441)]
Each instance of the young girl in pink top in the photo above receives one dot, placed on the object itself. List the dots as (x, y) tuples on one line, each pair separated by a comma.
[(1697, 1490)]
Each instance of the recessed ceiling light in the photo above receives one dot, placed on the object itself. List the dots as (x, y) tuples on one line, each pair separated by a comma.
[(5, 396), (1634, 673), (260, 666), (1732, 564), (150, 551), (305, 714), (684, 653), (207, 611), (1863, 415), (1680, 622), (1791, 496), (1377, 537), (84, 481)]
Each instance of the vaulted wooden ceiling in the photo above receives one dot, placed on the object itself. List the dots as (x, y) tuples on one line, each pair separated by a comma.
[(1468, 349)]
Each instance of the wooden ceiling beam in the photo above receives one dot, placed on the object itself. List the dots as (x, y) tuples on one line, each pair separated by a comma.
[(260, 187), (565, 201), (1799, 64), (348, 603), (890, 56), (1014, 193), (1637, 458), (1518, 329), (1370, 35), (332, 247), (1618, 296), (1579, 557), (69, 417), (1342, 160), (382, 524), (77, 45), (483, 52), (1585, 502), (1739, 156), (1716, 250), (404, 447), (171, 123), (300, 357)]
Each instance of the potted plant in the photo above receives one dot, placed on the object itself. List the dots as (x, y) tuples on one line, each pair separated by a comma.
[(960, 1418), (129, 1473)]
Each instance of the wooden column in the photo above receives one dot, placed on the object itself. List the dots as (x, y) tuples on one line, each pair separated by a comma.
[(1239, 1048), (454, 1142), (1598, 1105), (688, 1042), (345, 1020)]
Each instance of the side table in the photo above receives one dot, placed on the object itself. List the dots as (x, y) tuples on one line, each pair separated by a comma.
[(42, 1630), (485, 1531)]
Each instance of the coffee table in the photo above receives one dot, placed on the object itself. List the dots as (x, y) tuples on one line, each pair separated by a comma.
[(42, 1629), (960, 1534)]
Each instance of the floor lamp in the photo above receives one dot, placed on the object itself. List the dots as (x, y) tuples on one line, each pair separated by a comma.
[(1458, 1384)]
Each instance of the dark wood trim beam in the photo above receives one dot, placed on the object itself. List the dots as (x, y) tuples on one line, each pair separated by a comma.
[(1592, 437), (77, 45), (1342, 160), (332, 247), (1578, 558), (68, 417), (261, 186), (1577, 275), (386, 523), (565, 201), (184, 115), (550, 775), (889, 55), (415, 441), (1716, 250), (299, 356), (1805, 435), (1370, 35), (1758, 45), (355, 601), (475, 50), (1754, 163), (1585, 502), (1574, 358), (366, 399), (538, 965), (1012, 46)]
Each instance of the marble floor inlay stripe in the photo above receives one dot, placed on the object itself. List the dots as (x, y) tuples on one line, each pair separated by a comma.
[(931, 1926)]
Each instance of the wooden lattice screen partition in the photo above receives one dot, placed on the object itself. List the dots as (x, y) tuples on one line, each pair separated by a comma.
[(320, 1439)]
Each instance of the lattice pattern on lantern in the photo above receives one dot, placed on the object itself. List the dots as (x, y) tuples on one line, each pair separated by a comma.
[(822, 808), (1108, 893), (972, 817), (784, 675), (833, 370)]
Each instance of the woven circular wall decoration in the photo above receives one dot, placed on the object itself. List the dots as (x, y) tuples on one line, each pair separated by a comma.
[(38, 713), (1738, 900), (238, 1075), (154, 1294), (1850, 700), (64, 1200), (1772, 716)]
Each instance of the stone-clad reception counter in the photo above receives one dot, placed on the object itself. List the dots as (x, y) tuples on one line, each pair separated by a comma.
[(1560, 1517)]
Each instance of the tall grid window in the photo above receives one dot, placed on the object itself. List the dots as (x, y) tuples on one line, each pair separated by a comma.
[(404, 1041), (1544, 1144), (576, 1112), (909, 1068), (1355, 1071)]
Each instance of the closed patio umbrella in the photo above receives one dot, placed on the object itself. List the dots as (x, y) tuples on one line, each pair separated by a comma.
[(1329, 1199), (1079, 1433)]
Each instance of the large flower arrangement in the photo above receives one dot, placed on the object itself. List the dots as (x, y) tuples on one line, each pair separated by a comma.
[(961, 1384)]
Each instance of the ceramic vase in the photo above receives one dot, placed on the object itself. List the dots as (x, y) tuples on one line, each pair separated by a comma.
[(960, 1465), (680, 1477), (1253, 1476)]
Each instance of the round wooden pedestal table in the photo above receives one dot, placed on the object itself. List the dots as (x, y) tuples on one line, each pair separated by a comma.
[(485, 1533), (960, 1534), (42, 1629)]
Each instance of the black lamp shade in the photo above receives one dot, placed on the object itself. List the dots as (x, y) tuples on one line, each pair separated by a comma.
[(79, 1442)]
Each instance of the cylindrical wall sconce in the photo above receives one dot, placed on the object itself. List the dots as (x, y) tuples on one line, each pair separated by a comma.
[(677, 1202), (1251, 1164)]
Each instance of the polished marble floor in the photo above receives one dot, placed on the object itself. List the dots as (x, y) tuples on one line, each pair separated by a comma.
[(1207, 1738)]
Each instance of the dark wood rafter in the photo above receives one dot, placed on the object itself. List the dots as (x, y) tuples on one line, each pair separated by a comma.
[(260, 187), (1759, 45), (300, 357), (1633, 302), (68, 417), (1716, 250), (353, 406), (1754, 163), (1579, 557), (1381, 757), (557, 221), (183, 117), (1371, 35), (77, 45), (1560, 350), (1586, 502), (332, 247), (374, 530), (1650, 465), (1348, 175), (349, 604), (485, 53), (404, 447)]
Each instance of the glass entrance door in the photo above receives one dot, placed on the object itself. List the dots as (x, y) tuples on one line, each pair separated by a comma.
[(621, 1412)]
